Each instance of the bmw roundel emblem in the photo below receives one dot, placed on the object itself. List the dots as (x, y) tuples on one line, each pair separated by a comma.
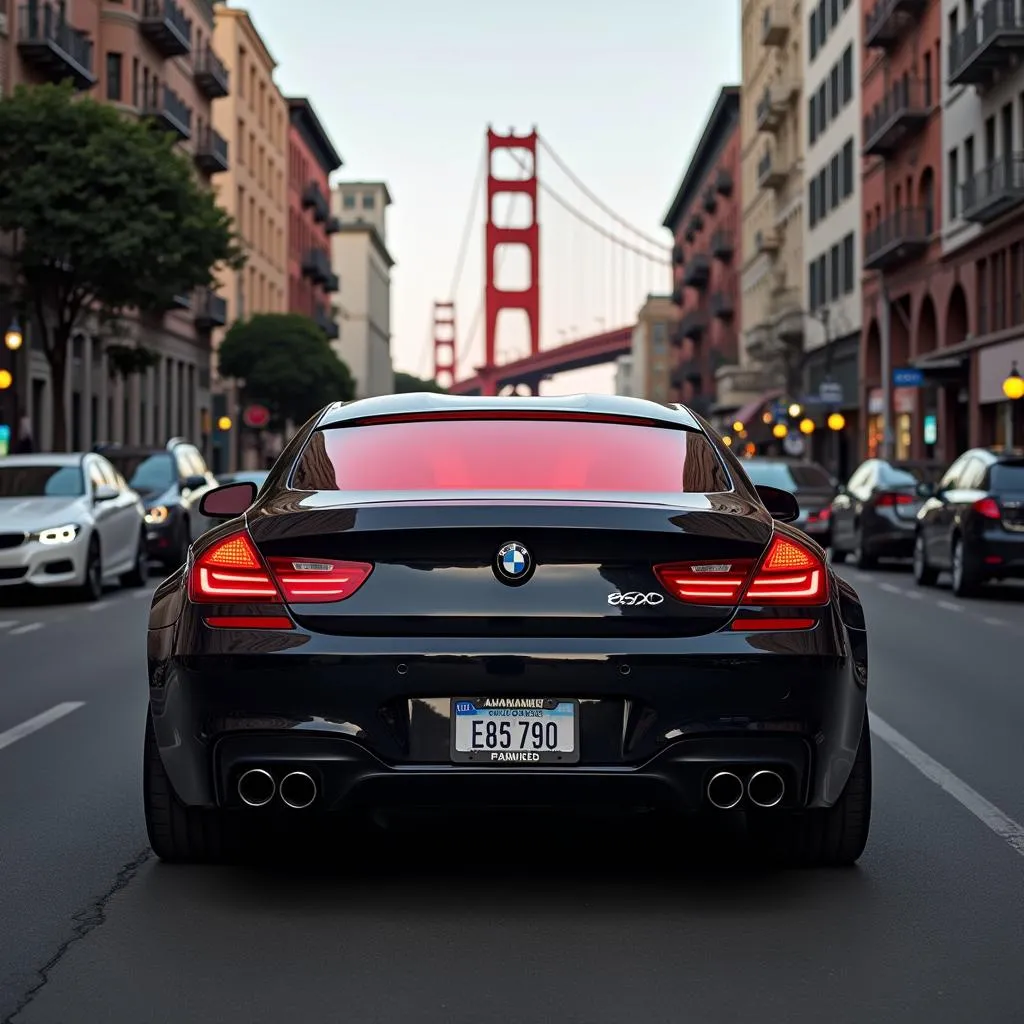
[(513, 563)]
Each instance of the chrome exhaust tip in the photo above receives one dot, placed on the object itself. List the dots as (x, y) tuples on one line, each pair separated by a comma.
[(766, 788), (298, 790), (725, 790), (256, 787)]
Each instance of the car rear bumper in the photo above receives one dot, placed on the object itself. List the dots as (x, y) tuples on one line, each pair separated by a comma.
[(373, 727), (1000, 553)]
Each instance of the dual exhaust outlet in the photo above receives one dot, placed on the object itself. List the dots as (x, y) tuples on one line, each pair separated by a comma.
[(764, 788), (257, 787)]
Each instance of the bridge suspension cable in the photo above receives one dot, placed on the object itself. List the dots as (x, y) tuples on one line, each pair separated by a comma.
[(596, 200), (467, 227)]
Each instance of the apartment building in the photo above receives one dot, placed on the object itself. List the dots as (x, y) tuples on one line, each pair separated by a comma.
[(153, 59), (771, 184), (311, 160), (652, 358), (703, 218), (904, 283), (253, 190), (980, 330), (360, 256), (832, 222)]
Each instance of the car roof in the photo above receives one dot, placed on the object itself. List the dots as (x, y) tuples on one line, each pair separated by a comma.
[(426, 403), (44, 459)]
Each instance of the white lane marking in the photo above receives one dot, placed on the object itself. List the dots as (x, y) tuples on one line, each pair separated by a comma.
[(889, 588), (39, 722), (98, 606), (30, 628), (993, 621), (7, 623), (140, 594), (950, 606), (987, 813), (914, 595)]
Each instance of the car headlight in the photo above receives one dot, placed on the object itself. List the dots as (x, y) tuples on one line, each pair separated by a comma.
[(58, 534), (157, 514)]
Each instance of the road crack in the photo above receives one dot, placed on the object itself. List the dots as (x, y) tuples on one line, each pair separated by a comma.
[(83, 922)]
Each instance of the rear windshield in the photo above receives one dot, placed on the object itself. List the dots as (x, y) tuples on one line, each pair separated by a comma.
[(147, 474), (788, 476), (910, 474), (1007, 476), (509, 455)]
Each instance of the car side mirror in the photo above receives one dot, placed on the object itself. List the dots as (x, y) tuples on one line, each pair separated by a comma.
[(193, 483), (780, 504), (105, 492), (228, 501)]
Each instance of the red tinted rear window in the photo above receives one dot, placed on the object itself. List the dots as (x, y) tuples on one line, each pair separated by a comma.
[(509, 455)]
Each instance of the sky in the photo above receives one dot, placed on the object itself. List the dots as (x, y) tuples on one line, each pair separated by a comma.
[(406, 90)]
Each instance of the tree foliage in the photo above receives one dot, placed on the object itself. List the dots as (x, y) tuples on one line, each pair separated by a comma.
[(108, 217), (285, 362), (406, 383)]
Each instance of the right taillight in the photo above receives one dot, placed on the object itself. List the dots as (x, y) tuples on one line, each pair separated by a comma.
[(788, 574), (318, 581), (988, 508)]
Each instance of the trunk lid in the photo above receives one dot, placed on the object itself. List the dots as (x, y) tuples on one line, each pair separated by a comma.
[(434, 562)]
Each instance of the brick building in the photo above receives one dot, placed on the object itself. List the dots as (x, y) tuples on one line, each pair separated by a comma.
[(311, 160), (704, 221)]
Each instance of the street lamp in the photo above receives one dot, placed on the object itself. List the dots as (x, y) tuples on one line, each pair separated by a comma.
[(13, 336), (224, 423), (6, 380), (807, 425), (1013, 388), (836, 421), (780, 430), (738, 427), (795, 410)]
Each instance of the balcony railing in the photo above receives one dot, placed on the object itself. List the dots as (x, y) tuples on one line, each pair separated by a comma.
[(332, 283), (676, 298), (722, 244), (992, 41), (994, 190), (769, 173), (316, 265), (211, 310), (766, 242), (313, 198), (211, 74), (723, 182), (211, 151), (333, 226), (722, 306), (901, 114), (323, 319), (694, 324), (901, 237), (697, 271), (677, 255), (710, 199), (165, 24), (774, 24), (54, 48), (168, 110), (767, 115), (886, 23)]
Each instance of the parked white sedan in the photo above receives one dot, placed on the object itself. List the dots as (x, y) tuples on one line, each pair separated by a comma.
[(69, 521)]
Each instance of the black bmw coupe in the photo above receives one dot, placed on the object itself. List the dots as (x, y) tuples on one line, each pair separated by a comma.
[(493, 603)]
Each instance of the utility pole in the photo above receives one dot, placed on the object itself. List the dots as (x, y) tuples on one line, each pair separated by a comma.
[(885, 329)]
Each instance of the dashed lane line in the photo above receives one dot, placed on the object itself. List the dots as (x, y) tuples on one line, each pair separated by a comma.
[(7, 623), (950, 606), (889, 588), (993, 621), (29, 627), (39, 722), (987, 813)]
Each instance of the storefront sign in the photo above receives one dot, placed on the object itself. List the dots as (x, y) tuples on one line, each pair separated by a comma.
[(931, 428), (907, 377)]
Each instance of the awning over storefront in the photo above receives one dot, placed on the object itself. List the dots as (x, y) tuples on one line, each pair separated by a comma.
[(752, 410)]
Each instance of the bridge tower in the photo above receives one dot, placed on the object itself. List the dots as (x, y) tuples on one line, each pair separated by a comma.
[(444, 343), (496, 299)]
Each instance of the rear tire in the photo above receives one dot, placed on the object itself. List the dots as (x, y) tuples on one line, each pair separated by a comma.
[(179, 834), (139, 572), (924, 574), (831, 837), (862, 558), (966, 578)]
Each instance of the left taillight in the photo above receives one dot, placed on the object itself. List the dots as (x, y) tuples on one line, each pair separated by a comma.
[(232, 572)]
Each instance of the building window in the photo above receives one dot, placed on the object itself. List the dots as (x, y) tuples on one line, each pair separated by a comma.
[(848, 168), (848, 264), (812, 286), (812, 33), (834, 174), (834, 14), (368, 202), (812, 203), (836, 272), (954, 183), (822, 26), (927, 79), (823, 190), (847, 75), (114, 83), (968, 158), (349, 202), (822, 110), (812, 119), (833, 85)]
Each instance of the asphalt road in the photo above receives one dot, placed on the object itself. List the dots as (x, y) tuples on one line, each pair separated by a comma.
[(490, 927)]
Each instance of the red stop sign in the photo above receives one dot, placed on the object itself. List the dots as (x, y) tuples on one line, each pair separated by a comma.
[(256, 416)]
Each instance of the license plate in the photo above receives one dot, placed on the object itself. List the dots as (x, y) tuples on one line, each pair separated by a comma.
[(515, 730)]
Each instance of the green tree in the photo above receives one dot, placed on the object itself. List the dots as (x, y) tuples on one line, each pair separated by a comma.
[(108, 217), (406, 383), (285, 362)]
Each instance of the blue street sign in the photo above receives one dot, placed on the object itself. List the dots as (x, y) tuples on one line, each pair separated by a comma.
[(907, 377)]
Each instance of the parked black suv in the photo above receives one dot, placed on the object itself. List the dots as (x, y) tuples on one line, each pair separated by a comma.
[(171, 482), (972, 523)]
